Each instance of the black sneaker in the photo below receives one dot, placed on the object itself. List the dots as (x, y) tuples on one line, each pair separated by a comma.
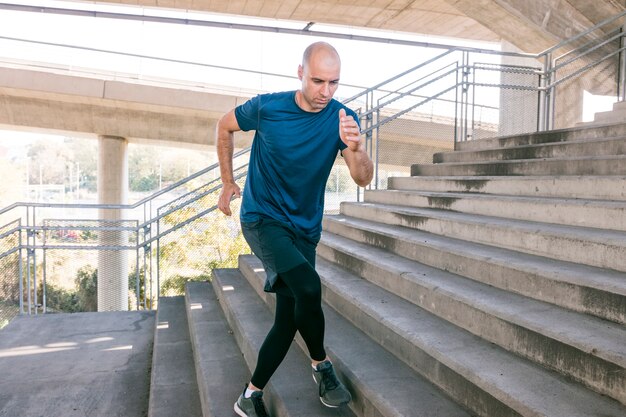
[(251, 407), (331, 391)]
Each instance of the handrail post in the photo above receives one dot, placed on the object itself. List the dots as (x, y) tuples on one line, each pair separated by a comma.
[(544, 92), (465, 72), (158, 258), (621, 93), (20, 267), (456, 107)]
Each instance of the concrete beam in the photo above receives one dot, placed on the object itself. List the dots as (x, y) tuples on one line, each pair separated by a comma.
[(67, 103)]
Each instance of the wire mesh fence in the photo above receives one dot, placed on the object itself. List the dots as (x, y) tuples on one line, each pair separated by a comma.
[(9, 271), (196, 238)]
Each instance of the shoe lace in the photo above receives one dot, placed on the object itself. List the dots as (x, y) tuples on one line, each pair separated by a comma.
[(329, 379), (259, 407)]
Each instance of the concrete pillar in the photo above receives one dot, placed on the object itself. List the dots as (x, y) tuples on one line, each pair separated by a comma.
[(113, 189)]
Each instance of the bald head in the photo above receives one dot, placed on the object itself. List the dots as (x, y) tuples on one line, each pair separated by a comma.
[(319, 74), (320, 51)]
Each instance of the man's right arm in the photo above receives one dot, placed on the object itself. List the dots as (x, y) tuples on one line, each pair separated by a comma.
[(226, 127)]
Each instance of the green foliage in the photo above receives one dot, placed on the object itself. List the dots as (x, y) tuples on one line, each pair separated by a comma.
[(61, 300), (144, 295), (83, 298), (7, 312), (143, 171), (175, 285), (86, 159), (146, 183), (87, 288), (209, 242)]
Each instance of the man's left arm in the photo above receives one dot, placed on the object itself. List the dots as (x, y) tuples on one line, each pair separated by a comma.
[(359, 163)]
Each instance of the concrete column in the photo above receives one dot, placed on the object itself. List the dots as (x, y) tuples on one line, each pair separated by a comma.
[(113, 189)]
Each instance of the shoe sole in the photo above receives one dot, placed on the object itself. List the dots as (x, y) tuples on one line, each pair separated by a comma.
[(239, 411)]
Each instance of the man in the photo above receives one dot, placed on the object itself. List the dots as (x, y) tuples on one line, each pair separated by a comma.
[(298, 134)]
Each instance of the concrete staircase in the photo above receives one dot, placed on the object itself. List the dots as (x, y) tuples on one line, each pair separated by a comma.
[(490, 283)]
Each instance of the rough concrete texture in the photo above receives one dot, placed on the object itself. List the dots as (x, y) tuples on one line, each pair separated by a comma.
[(220, 368), (595, 291), (594, 247), (550, 335), (575, 186), (173, 386), (573, 211), (82, 364)]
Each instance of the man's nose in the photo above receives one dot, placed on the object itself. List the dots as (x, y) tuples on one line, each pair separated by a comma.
[(326, 90)]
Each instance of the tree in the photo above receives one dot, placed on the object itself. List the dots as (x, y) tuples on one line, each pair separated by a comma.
[(85, 153), (48, 161), (143, 172), (87, 288)]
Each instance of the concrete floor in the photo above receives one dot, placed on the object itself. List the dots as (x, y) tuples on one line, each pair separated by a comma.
[(84, 364)]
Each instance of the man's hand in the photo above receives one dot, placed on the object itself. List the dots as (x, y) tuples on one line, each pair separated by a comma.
[(229, 190), (359, 163), (349, 131)]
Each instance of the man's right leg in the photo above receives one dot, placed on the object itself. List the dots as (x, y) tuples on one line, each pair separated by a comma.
[(277, 341), (271, 354)]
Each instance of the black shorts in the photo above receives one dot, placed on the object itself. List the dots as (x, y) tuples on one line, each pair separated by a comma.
[(279, 246)]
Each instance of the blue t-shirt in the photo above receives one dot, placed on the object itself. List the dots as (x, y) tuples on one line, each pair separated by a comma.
[(292, 154)]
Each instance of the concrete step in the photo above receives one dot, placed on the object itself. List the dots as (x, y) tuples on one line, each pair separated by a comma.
[(574, 212), (617, 115), (382, 385), (587, 349), (477, 374), (221, 371), (588, 246), (291, 391), (569, 149), (173, 386), (469, 368), (586, 132), (597, 165), (581, 288), (589, 187), (619, 105)]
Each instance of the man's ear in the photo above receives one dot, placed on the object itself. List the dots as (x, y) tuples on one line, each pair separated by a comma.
[(300, 71)]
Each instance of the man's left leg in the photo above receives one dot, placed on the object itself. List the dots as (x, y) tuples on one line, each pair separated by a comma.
[(305, 285)]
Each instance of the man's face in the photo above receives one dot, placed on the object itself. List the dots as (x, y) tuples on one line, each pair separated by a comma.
[(320, 79)]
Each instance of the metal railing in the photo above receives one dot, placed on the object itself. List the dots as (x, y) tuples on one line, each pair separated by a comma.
[(45, 245), (458, 95)]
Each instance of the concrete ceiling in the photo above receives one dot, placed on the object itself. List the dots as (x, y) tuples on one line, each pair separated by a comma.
[(530, 25)]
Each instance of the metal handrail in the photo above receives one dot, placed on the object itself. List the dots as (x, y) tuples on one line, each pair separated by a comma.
[(581, 34)]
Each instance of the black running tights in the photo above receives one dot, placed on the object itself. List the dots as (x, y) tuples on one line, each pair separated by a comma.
[(301, 312)]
